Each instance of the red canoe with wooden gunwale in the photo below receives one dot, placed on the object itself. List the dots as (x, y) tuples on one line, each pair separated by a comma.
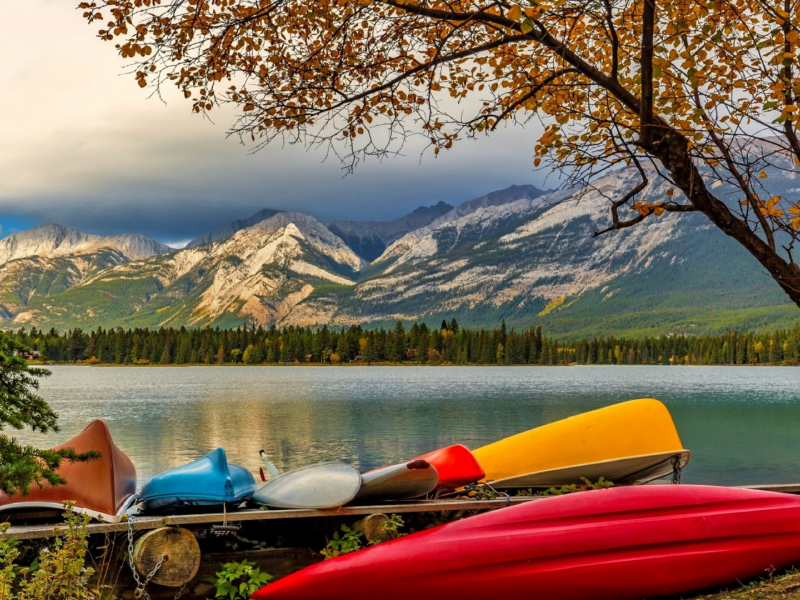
[(616, 544), (101, 488), (456, 466)]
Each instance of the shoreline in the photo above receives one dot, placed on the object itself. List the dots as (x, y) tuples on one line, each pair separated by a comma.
[(377, 364)]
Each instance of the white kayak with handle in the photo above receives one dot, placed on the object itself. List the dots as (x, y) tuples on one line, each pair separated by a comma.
[(319, 486), (398, 482)]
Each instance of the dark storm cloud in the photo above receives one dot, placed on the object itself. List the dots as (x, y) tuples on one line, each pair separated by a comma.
[(207, 191), (100, 156)]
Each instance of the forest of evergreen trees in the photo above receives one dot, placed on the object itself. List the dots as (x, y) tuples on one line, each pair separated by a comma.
[(419, 344)]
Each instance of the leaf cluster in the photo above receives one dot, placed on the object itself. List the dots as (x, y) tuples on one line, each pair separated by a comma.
[(345, 541), (237, 580)]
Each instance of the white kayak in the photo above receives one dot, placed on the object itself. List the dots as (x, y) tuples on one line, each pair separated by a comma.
[(398, 482), (324, 485), (630, 470)]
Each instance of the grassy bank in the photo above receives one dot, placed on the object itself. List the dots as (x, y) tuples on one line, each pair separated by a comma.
[(785, 585)]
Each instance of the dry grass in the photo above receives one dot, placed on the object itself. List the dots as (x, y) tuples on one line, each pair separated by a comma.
[(785, 586)]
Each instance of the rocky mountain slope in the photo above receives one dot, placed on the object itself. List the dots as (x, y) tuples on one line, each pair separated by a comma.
[(520, 254), (48, 260), (228, 230), (50, 241), (537, 261), (259, 274), (369, 239)]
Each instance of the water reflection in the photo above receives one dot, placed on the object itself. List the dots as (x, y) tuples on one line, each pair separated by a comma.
[(741, 423)]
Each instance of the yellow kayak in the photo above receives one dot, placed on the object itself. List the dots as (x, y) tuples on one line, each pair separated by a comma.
[(607, 442)]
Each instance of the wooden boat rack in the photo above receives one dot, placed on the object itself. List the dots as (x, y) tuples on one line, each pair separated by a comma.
[(143, 523)]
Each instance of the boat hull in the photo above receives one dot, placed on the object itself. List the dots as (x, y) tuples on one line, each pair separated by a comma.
[(633, 428), (397, 482), (614, 544), (209, 483), (102, 488), (324, 485), (631, 470), (456, 466)]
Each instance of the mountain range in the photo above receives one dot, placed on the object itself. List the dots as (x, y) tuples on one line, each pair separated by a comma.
[(521, 254)]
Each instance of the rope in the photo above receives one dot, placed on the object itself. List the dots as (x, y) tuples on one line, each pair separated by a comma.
[(676, 469)]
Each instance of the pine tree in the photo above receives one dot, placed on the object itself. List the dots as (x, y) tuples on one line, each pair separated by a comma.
[(166, 355), (370, 350), (272, 353), (21, 407), (423, 345), (398, 347), (454, 325)]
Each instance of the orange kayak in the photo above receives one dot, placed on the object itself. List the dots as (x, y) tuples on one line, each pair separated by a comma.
[(102, 488)]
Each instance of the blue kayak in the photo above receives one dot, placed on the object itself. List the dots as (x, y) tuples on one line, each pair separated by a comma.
[(209, 482)]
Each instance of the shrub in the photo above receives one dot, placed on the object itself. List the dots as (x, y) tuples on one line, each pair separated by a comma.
[(237, 580), (59, 573)]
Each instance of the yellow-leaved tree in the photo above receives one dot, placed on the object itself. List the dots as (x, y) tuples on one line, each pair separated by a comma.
[(700, 92)]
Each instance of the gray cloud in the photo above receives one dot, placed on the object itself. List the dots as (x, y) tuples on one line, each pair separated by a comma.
[(84, 146)]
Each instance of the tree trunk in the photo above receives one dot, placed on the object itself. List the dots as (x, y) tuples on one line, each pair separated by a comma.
[(673, 152)]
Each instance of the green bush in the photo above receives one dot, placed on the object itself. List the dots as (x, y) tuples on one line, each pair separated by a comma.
[(349, 541), (59, 572), (237, 580)]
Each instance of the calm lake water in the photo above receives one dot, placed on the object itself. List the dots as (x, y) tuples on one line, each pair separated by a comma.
[(742, 424)]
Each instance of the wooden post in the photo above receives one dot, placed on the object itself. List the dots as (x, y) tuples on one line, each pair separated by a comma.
[(176, 546), (372, 526)]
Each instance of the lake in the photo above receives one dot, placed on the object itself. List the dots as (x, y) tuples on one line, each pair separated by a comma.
[(742, 424)]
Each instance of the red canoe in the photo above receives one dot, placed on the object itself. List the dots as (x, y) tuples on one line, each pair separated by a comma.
[(101, 488), (456, 467), (615, 544)]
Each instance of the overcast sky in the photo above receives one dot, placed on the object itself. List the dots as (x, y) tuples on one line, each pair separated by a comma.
[(82, 145)]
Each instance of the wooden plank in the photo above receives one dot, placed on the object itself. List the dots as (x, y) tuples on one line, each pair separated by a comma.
[(27, 532), (145, 523), (405, 507), (785, 488)]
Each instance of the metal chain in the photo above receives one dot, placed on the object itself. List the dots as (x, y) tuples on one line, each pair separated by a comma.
[(180, 591), (676, 469), (141, 585)]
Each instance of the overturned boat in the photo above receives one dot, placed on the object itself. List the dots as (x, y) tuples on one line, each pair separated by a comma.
[(621, 543), (632, 442), (621, 471), (319, 486), (103, 488), (456, 466), (208, 483), (398, 482)]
